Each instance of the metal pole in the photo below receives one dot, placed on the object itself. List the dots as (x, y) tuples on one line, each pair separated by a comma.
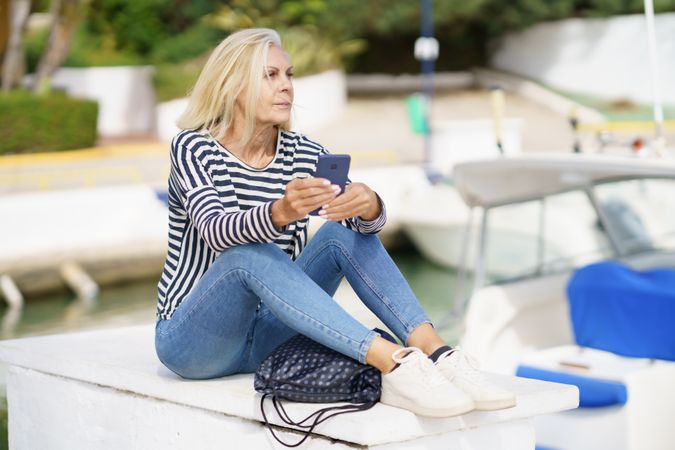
[(541, 241), (426, 51), (656, 80), (461, 297), (497, 95), (574, 123), (427, 27), (479, 274), (604, 222)]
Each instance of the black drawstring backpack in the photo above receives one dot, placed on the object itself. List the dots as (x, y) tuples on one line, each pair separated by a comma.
[(302, 370)]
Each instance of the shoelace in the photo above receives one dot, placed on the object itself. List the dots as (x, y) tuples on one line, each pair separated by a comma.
[(413, 355), (466, 365)]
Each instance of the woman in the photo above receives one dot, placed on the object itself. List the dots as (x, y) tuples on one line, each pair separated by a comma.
[(239, 278)]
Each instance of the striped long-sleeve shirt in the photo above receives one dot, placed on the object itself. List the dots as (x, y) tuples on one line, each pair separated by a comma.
[(217, 201)]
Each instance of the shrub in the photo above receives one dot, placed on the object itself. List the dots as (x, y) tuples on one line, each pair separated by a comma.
[(31, 123)]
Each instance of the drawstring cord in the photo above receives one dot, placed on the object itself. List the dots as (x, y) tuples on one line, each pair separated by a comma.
[(318, 416)]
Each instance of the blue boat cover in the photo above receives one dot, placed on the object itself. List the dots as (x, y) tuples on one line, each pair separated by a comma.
[(163, 196), (624, 311), (593, 392)]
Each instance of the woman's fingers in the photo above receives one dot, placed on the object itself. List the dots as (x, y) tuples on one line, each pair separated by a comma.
[(308, 183), (318, 201), (307, 194), (345, 206), (356, 201), (304, 195), (309, 187), (317, 192), (346, 213)]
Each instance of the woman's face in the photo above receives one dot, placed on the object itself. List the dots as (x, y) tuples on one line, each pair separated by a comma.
[(276, 92)]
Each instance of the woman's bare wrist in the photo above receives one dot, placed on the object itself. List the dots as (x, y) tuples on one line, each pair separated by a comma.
[(279, 217), (375, 210)]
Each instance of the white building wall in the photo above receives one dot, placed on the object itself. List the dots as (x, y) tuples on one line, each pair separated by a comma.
[(606, 58), (318, 99), (125, 95)]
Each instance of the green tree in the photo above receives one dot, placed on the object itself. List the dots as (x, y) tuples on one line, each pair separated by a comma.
[(313, 47), (141, 26), (65, 16), (371, 34), (13, 66), (4, 26)]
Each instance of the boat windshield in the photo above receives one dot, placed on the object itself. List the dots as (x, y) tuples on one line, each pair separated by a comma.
[(640, 214), (563, 231), (543, 236)]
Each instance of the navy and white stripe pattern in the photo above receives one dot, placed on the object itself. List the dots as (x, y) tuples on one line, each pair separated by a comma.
[(216, 201)]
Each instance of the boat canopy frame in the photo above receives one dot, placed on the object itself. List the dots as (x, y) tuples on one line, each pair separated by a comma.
[(502, 181), (479, 273)]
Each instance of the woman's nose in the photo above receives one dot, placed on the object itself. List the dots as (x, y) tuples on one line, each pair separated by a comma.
[(286, 84)]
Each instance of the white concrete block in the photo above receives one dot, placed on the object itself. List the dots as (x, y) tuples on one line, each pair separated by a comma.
[(55, 413), (75, 415), (110, 383)]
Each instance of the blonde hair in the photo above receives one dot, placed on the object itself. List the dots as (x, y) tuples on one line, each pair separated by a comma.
[(235, 67)]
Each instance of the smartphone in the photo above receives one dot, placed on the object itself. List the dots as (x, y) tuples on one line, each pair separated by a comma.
[(334, 168)]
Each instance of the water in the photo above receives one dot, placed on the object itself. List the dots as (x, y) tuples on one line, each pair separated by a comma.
[(434, 287), (134, 304)]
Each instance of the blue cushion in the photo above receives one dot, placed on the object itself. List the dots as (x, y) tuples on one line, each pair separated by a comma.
[(593, 392), (624, 311)]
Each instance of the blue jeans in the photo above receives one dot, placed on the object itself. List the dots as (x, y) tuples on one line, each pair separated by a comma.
[(254, 297)]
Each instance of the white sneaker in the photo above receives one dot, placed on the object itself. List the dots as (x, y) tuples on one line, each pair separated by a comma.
[(462, 370), (418, 386)]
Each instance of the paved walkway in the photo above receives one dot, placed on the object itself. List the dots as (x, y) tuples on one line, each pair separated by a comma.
[(105, 166), (379, 128), (375, 131)]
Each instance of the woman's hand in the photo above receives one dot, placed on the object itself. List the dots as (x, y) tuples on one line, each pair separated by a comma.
[(357, 200), (302, 196)]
